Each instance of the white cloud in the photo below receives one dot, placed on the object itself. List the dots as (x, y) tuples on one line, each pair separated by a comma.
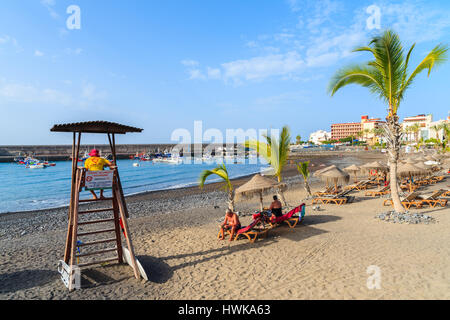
[(38, 53), (49, 4), (89, 92), (259, 68), (26, 93), (189, 63), (35, 94), (214, 73), (196, 74), (326, 33), (76, 51)]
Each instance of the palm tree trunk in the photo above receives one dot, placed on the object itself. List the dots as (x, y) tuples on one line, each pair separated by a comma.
[(307, 188), (393, 135), (231, 200), (281, 194)]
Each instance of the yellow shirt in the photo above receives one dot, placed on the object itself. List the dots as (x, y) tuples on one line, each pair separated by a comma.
[(95, 163)]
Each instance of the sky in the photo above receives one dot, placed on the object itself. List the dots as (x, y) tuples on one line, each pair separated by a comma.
[(161, 65)]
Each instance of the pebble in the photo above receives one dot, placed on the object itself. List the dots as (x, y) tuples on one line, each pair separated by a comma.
[(405, 218)]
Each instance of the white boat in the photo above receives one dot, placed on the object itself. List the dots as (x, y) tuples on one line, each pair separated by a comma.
[(36, 166), (168, 160)]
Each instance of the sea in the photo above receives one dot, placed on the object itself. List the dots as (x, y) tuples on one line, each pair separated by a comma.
[(23, 189)]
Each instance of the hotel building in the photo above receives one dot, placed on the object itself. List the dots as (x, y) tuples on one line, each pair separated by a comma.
[(345, 130)]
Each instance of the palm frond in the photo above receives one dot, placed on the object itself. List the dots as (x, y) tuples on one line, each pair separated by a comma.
[(303, 169), (436, 57), (366, 76)]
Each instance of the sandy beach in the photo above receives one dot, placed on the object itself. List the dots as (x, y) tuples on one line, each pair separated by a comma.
[(174, 234)]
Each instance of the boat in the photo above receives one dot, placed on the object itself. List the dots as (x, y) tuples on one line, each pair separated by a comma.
[(136, 164), (36, 166)]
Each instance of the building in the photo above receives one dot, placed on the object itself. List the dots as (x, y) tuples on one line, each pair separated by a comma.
[(345, 130), (367, 127), (370, 127), (422, 123), (319, 136)]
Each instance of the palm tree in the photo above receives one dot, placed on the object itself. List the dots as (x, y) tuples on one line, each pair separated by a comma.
[(298, 139), (415, 129), (222, 172), (303, 169), (436, 129), (275, 151), (387, 77)]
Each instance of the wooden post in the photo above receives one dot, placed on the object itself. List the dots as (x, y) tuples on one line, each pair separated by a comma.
[(73, 249), (116, 222), (73, 192), (127, 233)]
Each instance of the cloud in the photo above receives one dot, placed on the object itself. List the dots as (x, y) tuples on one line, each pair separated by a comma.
[(259, 68), (90, 93), (35, 94), (49, 4), (38, 53), (76, 51), (326, 33), (189, 63), (31, 94)]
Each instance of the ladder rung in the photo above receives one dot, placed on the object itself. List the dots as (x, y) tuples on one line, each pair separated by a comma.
[(96, 252), (95, 210), (95, 200), (97, 262), (95, 221), (96, 242), (95, 232)]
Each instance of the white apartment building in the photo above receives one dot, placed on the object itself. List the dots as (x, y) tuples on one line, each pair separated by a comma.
[(319, 136)]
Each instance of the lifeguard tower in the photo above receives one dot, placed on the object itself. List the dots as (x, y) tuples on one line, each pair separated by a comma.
[(82, 232)]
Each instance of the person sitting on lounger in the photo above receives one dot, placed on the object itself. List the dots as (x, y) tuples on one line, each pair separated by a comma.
[(231, 222), (276, 208), (96, 163)]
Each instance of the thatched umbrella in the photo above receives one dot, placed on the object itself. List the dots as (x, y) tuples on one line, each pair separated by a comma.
[(319, 172), (258, 185), (409, 170), (353, 168), (378, 166), (336, 175)]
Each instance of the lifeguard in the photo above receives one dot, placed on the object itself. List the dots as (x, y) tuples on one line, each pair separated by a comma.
[(96, 163)]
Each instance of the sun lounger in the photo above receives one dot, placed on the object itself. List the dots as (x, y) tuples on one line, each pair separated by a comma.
[(361, 185), (338, 199), (290, 218), (435, 199), (380, 192), (251, 232), (327, 191), (412, 199)]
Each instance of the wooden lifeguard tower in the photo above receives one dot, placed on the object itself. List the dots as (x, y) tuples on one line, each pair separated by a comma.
[(78, 238)]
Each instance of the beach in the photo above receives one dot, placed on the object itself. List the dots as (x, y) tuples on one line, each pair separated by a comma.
[(174, 233)]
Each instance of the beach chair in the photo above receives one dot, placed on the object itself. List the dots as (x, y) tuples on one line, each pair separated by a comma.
[(290, 218), (328, 191), (339, 199), (250, 231), (435, 199), (410, 200), (380, 192), (361, 185)]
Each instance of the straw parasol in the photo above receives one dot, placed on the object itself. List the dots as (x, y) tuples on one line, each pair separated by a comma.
[(409, 170), (258, 185), (335, 174), (353, 169), (319, 172)]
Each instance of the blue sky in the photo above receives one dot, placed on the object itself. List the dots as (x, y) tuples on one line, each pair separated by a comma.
[(161, 65)]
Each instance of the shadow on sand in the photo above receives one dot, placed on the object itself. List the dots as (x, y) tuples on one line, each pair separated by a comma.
[(26, 279)]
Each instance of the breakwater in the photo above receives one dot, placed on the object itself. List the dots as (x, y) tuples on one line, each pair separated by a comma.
[(63, 152)]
